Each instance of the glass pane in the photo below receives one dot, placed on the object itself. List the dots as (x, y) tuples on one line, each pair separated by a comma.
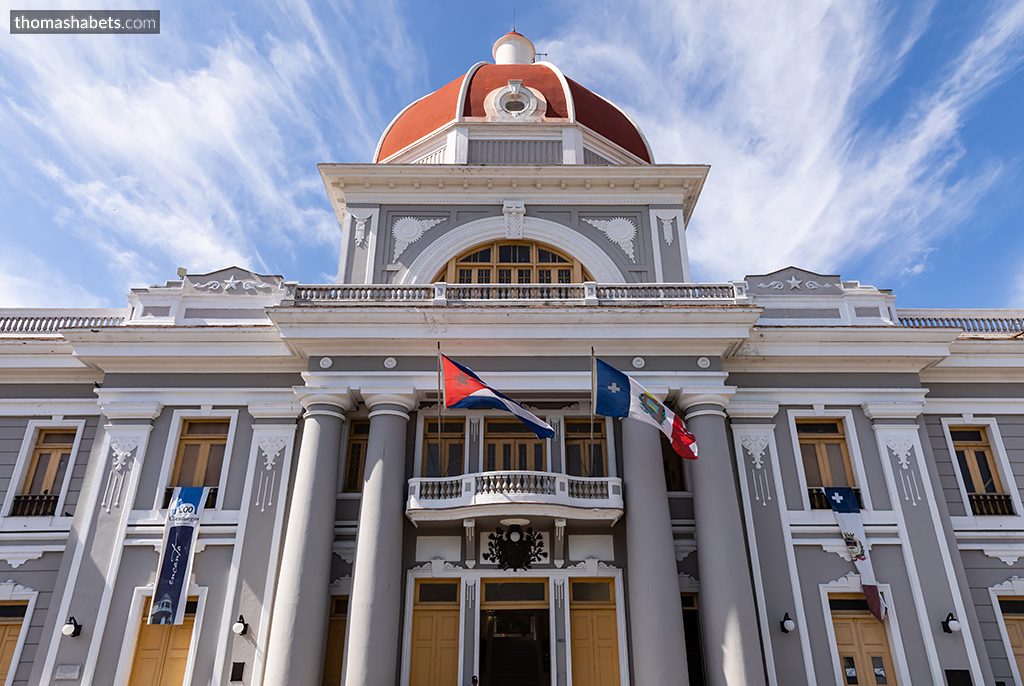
[(837, 465), (811, 471), (504, 276), (465, 276), (522, 253), (483, 275), (353, 477), (538, 457), (597, 460), (591, 591), (505, 253), (878, 667), (521, 455), (987, 482), (543, 276), (432, 467), (965, 471), (818, 428), (966, 435), (544, 256), (187, 472), (207, 428), (213, 465), (491, 466), (524, 275), (360, 428), (439, 593), (39, 478), (454, 459), (506, 456), (507, 592), (508, 428), (564, 276), (62, 467), (572, 460), (850, 670), (59, 437)]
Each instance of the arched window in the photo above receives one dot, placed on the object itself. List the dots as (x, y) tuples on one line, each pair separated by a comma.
[(513, 262)]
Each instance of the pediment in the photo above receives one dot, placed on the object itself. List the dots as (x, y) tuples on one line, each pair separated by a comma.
[(794, 281), (232, 281)]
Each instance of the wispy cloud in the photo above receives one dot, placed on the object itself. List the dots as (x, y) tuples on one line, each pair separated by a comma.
[(773, 96), (167, 151)]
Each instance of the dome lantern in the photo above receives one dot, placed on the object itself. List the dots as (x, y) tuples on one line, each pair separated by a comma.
[(513, 48)]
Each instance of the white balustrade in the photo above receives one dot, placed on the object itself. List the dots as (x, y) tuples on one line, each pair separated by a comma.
[(23, 321), (971, 321), (512, 492)]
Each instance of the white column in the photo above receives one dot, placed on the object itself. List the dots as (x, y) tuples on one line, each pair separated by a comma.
[(732, 649), (655, 611), (298, 629), (375, 612)]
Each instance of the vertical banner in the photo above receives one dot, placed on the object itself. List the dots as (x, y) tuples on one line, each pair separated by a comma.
[(175, 569), (847, 511)]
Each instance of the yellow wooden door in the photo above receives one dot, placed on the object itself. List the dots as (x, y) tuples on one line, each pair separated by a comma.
[(435, 647), (336, 642), (9, 632), (595, 647), (864, 656), (161, 653), (1015, 630)]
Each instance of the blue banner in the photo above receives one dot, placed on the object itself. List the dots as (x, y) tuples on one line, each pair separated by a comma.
[(180, 534)]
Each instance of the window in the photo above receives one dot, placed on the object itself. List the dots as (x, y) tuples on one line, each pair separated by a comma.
[(45, 477), (200, 456), (505, 262), (826, 458), (673, 463), (980, 474), (583, 456), (692, 636), (444, 458), (511, 445), (355, 463), (335, 641), (12, 616)]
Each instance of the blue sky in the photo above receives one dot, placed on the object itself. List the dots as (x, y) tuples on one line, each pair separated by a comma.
[(879, 140)]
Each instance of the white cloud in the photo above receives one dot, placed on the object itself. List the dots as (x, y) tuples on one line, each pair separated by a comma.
[(772, 95), (27, 281)]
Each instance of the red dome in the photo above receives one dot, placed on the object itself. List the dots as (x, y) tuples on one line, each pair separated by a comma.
[(566, 101)]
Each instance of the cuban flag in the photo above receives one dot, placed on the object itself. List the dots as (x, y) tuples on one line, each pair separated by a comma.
[(847, 511), (617, 395), (464, 389)]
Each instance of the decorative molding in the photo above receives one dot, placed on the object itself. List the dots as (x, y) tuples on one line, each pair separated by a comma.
[(1009, 554), (619, 230), (1014, 586), (514, 211), (683, 547), (408, 230), (901, 447), (16, 556), (10, 589), (559, 592), (232, 286), (359, 231), (121, 463), (687, 584), (813, 285), (755, 446), (777, 285), (345, 549), (271, 446), (591, 564), (666, 226), (850, 583)]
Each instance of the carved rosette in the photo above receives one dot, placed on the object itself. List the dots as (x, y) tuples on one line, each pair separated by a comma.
[(408, 230), (619, 230)]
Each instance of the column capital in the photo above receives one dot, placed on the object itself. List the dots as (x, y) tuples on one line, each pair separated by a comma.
[(401, 396), (691, 397), (339, 396)]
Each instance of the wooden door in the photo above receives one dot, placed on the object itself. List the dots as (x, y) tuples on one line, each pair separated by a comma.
[(336, 642), (435, 647), (595, 647), (864, 656), (1015, 630), (9, 632), (161, 652)]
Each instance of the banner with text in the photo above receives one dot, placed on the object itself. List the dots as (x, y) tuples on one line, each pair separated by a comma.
[(175, 569)]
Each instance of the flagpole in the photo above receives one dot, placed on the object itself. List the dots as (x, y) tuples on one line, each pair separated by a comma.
[(593, 399), (440, 401)]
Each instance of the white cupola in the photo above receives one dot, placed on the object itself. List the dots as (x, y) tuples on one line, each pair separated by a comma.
[(513, 48)]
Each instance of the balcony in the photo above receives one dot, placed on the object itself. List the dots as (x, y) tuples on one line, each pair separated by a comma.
[(44, 505), (991, 504), (520, 493)]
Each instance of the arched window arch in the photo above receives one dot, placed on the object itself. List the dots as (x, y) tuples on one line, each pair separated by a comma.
[(513, 262)]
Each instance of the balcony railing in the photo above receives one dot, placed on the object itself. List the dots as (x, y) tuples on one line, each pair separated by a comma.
[(820, 502), (991, 504), (971, 321), (511, 294), (519, 492), (44, 505), (52, 321)]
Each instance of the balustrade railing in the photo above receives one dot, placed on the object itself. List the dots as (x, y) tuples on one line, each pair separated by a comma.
[(971, 321), (507, 483), (991, 504), (588, 293), (44, 505), (26, 321), (440, 489)]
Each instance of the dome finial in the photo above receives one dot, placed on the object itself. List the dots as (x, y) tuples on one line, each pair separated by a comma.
[(513, 48)]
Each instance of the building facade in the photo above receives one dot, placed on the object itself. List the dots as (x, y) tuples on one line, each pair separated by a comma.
[(359, 533)]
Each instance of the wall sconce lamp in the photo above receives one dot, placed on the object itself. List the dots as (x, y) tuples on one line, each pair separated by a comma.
[(950, 624), (240, 627), (787, 624), (71, 628)]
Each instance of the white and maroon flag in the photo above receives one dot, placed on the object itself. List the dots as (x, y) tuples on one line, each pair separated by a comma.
[(847, 511)]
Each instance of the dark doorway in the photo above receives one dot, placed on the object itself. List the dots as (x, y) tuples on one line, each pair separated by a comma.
[(515, 648)]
